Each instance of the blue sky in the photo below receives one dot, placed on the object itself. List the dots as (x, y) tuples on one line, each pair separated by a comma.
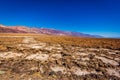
[(100, 17)]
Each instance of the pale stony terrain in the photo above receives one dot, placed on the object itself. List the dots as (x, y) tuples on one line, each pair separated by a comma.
[(36, 60)]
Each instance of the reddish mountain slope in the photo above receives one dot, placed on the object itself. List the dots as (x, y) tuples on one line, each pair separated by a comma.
[(4, 29), (22, 29)]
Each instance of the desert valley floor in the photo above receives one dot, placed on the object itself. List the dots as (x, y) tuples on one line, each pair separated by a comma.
[(45, 57)]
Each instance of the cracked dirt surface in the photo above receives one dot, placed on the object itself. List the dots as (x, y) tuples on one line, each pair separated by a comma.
[(36, 60)]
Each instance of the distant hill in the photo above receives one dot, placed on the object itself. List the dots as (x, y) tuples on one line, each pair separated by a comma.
[(23, 29)]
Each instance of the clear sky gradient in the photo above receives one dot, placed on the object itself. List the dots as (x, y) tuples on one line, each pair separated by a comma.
[(100, 17)]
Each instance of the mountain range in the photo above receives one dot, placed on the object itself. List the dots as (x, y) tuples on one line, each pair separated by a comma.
[(24, 29)]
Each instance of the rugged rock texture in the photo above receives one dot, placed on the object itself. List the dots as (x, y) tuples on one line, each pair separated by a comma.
[(30, 59)]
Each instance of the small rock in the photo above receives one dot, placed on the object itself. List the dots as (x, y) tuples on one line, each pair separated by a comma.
[(2, 72)]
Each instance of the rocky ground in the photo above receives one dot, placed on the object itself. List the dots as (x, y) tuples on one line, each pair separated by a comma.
[(35, 60)]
